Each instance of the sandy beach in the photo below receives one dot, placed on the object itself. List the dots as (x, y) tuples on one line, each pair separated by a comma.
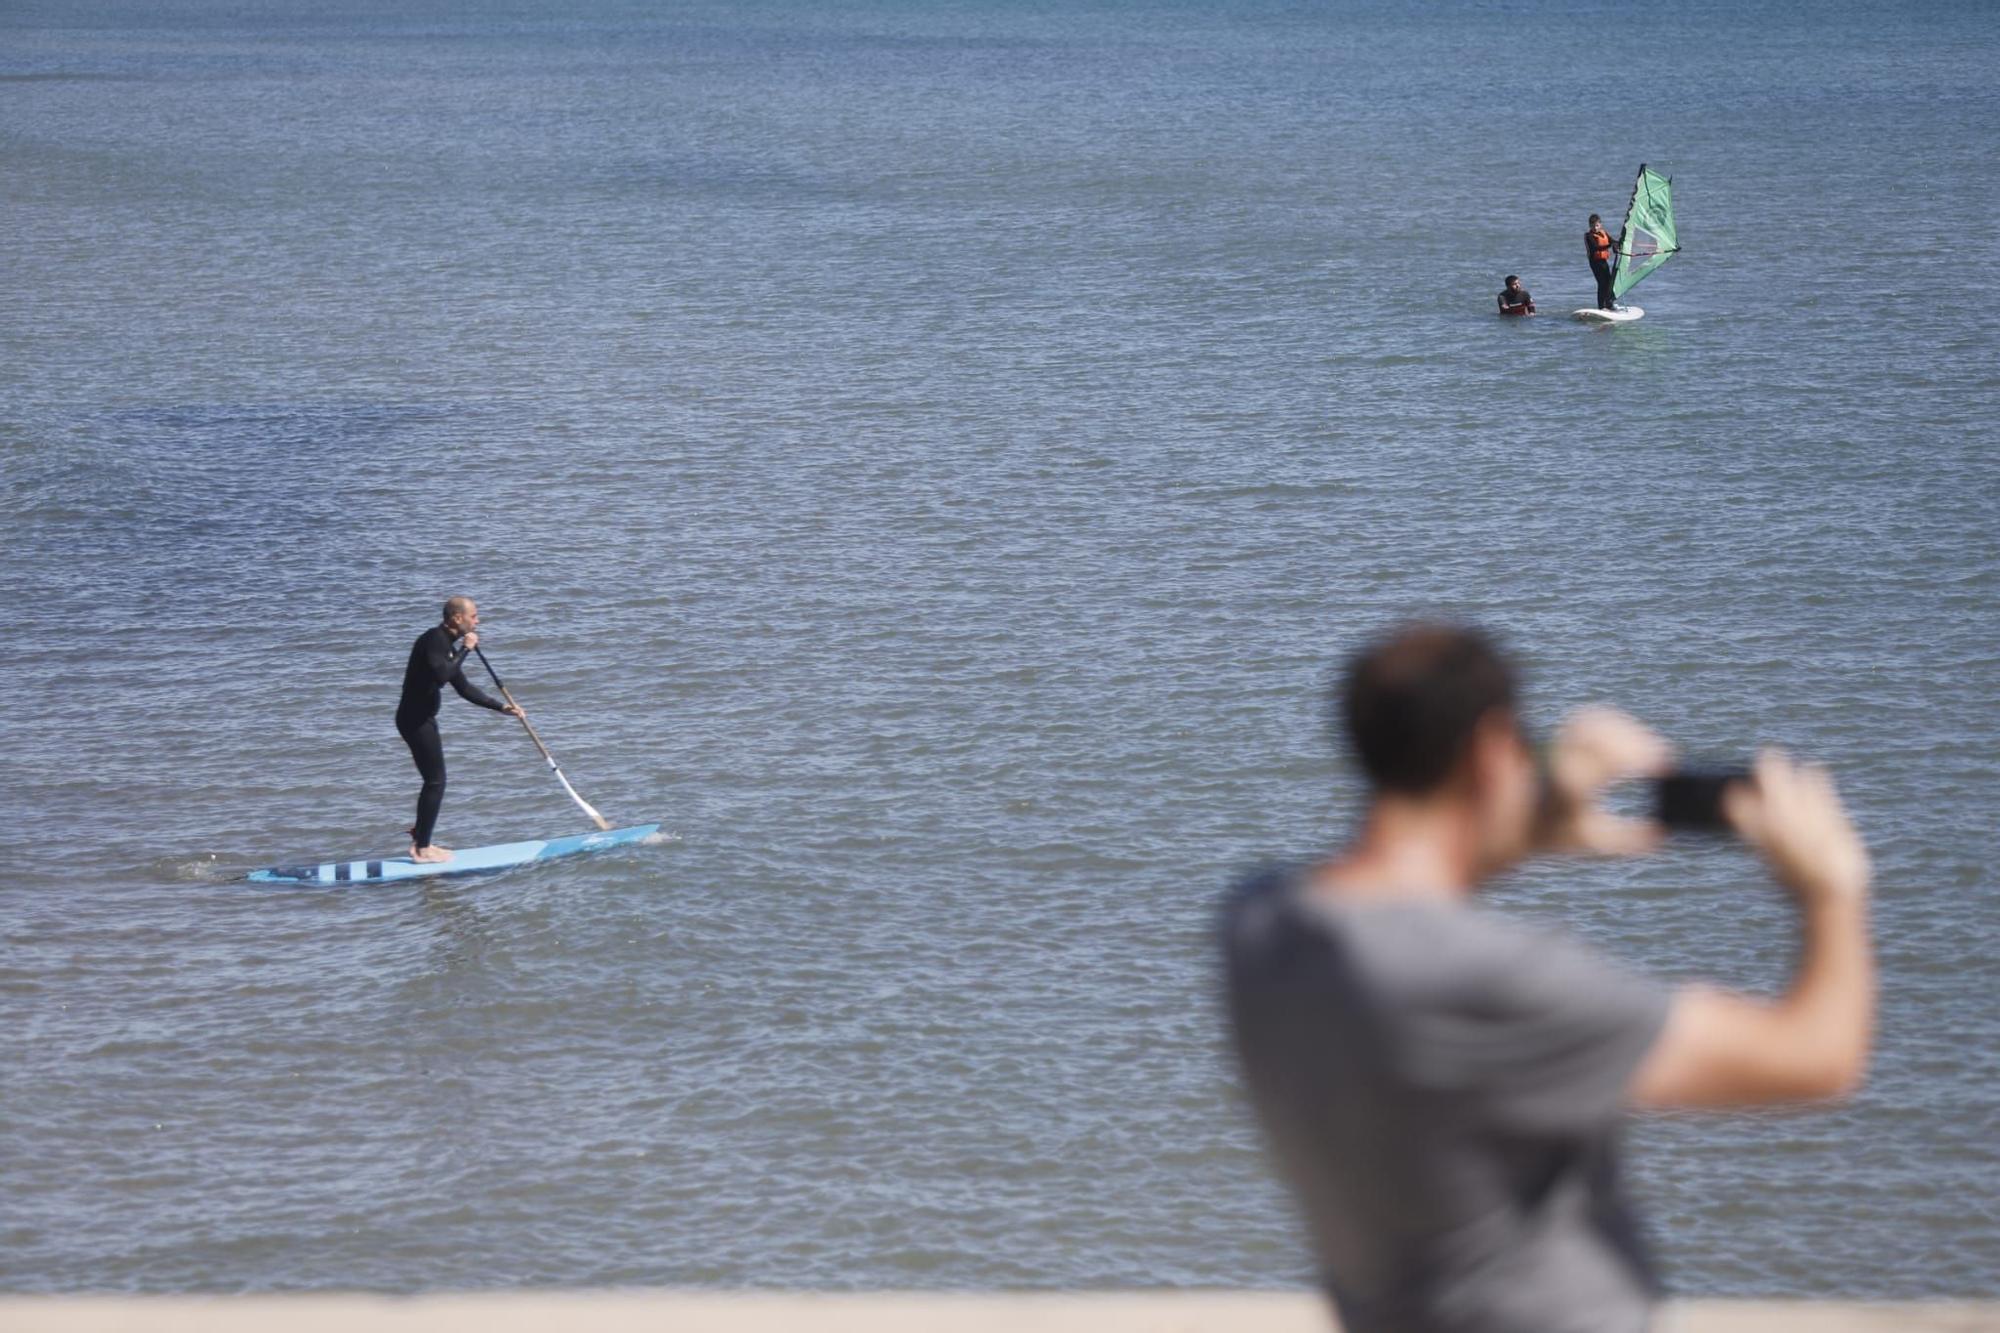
[(1109, 1312)]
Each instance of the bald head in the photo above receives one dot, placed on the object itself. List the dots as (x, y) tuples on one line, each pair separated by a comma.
[(460, 614)]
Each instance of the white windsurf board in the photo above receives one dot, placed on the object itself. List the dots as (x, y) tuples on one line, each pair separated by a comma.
[(1624, 314)]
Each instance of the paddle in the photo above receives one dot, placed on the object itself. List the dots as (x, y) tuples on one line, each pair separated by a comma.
[(522, 713)]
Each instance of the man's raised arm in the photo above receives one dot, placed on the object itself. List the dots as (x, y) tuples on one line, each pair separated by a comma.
[(1720, 1048)]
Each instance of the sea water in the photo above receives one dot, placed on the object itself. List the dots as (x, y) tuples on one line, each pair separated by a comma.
[(930, 456)]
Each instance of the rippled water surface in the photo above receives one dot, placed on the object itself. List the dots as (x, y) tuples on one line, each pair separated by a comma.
[(928, 456)]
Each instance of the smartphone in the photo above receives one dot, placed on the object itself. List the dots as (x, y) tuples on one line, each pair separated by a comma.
[(1690, 801)]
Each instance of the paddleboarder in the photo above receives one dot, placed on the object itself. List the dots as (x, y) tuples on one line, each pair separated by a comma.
[(1597, 243), (436, 660)]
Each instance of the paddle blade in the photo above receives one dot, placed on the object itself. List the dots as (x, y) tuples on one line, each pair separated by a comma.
[(582, 804)]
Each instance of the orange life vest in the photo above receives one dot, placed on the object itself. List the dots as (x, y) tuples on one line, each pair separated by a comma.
[(1598, 243)]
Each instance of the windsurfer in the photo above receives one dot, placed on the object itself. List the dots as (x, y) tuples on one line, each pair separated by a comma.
[(435, 663), (1514, 298), (1597, 244)]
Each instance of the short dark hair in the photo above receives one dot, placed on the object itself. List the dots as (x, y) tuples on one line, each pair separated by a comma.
[(1593, 217), (1513, 277), (1409, 702)]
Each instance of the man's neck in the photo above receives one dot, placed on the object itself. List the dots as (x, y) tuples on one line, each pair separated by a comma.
[(1408, 850)]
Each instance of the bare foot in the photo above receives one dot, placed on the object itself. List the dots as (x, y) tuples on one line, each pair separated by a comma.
[(430, 855)]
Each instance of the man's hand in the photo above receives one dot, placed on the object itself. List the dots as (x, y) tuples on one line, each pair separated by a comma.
[(1792, 816), (1594, 748), (471, 639), (1720, 1049), (513, 710)]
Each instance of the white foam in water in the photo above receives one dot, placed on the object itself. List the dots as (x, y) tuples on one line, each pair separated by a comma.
[(206, 868)]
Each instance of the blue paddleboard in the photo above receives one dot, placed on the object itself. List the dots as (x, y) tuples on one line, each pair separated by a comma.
[(465, 861)]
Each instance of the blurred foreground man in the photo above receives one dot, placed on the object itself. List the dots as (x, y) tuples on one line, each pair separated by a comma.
[(1442, 1087)]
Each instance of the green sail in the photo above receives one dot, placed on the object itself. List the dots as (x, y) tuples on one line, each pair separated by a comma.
[(1648, 239)]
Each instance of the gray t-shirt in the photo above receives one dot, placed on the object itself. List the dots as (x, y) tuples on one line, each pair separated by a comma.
[(1443, 1089)]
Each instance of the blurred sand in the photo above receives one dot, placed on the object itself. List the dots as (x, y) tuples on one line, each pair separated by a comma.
[(1109, 1312)]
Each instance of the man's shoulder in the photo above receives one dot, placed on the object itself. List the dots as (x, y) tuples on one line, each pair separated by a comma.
[(1421, 944), (1259, 903), (1440, 949)]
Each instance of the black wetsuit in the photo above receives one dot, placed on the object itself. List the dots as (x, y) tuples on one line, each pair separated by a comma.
[(433, 665), (1601, 269), (1515, 298)]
